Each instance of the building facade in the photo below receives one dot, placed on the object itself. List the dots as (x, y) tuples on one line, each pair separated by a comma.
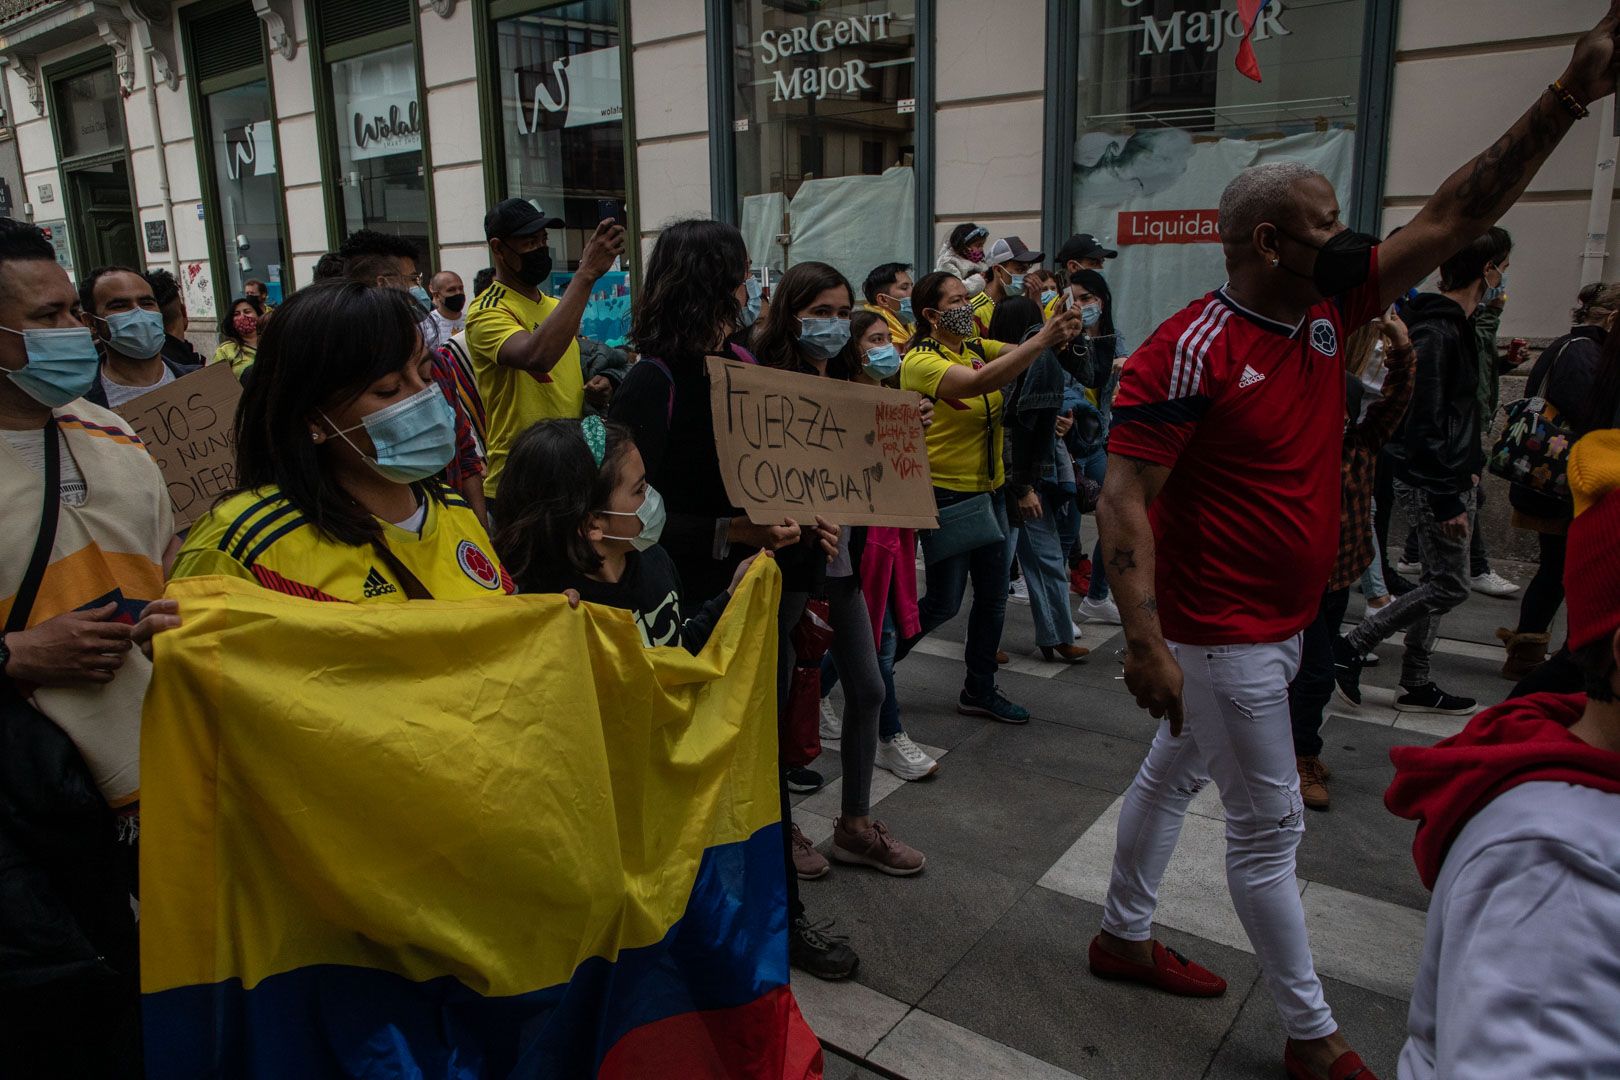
[(235, 139)]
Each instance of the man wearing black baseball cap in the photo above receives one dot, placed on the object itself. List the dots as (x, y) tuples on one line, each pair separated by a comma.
[(1082, 252), (524, 344)]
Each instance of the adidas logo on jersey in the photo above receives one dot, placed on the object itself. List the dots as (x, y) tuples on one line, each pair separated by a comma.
[(1250, 377), (377, 585)]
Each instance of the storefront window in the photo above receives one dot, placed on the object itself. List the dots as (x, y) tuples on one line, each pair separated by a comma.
[(824, 120), (247, 190), (88, 119), (89, 124), (1166, 120), (562, 118), (379, 144)]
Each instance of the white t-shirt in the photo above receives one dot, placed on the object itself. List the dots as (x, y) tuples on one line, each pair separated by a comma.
[(1520, 973), (118, 393), (30, 446), (436, 329)]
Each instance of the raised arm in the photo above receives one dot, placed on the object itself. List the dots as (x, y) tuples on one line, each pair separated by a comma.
[(1480, 192), (540, 349), (1151, 672), (965, 382)]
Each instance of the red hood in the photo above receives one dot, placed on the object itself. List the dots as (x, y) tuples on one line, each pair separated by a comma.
[(1443, 786)]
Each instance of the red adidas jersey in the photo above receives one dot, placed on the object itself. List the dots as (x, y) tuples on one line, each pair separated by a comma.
[(1248, 413)]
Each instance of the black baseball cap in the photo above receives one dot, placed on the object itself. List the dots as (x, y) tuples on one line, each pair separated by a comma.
[(1083, 246), (517, 217)]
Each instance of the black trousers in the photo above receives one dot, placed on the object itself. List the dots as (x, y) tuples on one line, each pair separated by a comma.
[(1312, 688)]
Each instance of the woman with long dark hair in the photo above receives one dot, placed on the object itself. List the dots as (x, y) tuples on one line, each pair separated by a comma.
[(239, 334), (1037, 500), (340, 437), (696, 296), (1091, 392), (966, 375), (807, 331)]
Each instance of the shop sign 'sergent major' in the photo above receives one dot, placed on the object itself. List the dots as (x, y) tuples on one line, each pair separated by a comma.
[(821, 36), (1207, 29)]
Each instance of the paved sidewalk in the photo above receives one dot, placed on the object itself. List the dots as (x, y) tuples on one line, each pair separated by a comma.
[(976, 968)]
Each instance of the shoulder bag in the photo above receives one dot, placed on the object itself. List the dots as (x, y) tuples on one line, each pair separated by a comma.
[(1533, 450), (970, 523)]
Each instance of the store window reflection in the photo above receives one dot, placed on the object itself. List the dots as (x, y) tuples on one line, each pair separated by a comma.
[(825, 110), (241, 137), (379, 144), (1165, 122)]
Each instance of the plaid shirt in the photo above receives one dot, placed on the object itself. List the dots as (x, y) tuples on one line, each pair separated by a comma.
[(1362, 441), (469, 459)]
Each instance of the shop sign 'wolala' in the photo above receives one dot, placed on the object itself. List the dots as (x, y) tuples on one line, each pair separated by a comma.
[(822, 36)]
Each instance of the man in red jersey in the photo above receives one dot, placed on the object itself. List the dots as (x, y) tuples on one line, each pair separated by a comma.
[(1219, 525)]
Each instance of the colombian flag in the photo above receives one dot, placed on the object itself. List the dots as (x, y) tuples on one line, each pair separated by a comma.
[(1249, 13), (485, 838)]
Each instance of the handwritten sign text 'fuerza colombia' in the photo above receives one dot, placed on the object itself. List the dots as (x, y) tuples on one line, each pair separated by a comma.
[(796, 446)]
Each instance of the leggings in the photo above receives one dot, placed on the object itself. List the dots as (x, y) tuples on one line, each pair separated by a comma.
[(1546, 590), (854, 650)]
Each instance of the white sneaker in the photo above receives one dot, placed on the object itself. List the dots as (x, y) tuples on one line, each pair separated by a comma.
[(1076, 627), (1100, 611), (1493, 584), (832, 721), (1018, 592), (1409, 568), (905, 758)]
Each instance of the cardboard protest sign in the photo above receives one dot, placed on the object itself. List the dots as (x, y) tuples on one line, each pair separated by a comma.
[(189, 428), (796, 446)]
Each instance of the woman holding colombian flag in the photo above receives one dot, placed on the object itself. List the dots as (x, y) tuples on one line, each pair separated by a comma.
[(339, 438)]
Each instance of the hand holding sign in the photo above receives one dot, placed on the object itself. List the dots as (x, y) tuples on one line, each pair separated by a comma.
[(810, 448)]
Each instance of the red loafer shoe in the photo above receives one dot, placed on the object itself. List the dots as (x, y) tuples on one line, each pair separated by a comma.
[(1170, 972), (1347, 1066)]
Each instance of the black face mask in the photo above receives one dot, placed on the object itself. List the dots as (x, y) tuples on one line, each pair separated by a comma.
[(1341, 264), (455, 303), (535, 267)]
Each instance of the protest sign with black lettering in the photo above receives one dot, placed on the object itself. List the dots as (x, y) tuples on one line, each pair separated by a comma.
[(794, 445), (189, 428)]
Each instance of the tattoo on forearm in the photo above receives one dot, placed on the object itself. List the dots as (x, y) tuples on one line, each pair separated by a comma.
[(1122, 560), (1502, 168), (1149, 605)]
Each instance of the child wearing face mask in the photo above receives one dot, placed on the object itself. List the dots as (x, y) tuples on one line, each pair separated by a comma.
[(589, 525)]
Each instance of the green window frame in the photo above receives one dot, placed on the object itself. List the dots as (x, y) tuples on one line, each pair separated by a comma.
[(242, 74), (486, 14), (54, 76), (331, 41)]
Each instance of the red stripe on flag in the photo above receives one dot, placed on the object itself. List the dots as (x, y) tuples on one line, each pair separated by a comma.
[(766, 1039)]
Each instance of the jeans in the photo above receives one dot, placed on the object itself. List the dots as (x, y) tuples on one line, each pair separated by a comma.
[(947, 585), (1046, 574), (856, 654), (1095, 468), (1546, 590), (889, 716), (1372, 578), (1445, 586), (1235, 699), (1312, 688), (1478, 564)]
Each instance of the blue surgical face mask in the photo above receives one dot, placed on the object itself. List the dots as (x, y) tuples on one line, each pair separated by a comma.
[(1015, 285), (651, 516), (62, 364), (414, 438), (823, 338), (1493, 293), (882, 362), (1090, 313), (1047, 296), (905, 310), (137, 333), (423, 300), (750, 309)]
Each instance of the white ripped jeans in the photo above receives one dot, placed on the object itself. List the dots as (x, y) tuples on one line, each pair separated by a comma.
[(1236, 730)]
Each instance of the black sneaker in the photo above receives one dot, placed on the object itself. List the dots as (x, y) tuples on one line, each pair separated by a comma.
[(996, 707), (1347, 664), (1430, 698), (802, 781), (1396, 584), (824, 955)]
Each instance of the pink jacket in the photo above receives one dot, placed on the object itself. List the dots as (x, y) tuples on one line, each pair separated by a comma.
[(888, 569)]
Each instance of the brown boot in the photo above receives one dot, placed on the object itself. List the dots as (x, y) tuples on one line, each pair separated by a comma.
[(1525, 652), (1313, 777)]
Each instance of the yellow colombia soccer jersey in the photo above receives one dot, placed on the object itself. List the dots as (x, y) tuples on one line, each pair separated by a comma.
[(514, 400), (961, 451), (898, 330), (984, 309), (258, 535)]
